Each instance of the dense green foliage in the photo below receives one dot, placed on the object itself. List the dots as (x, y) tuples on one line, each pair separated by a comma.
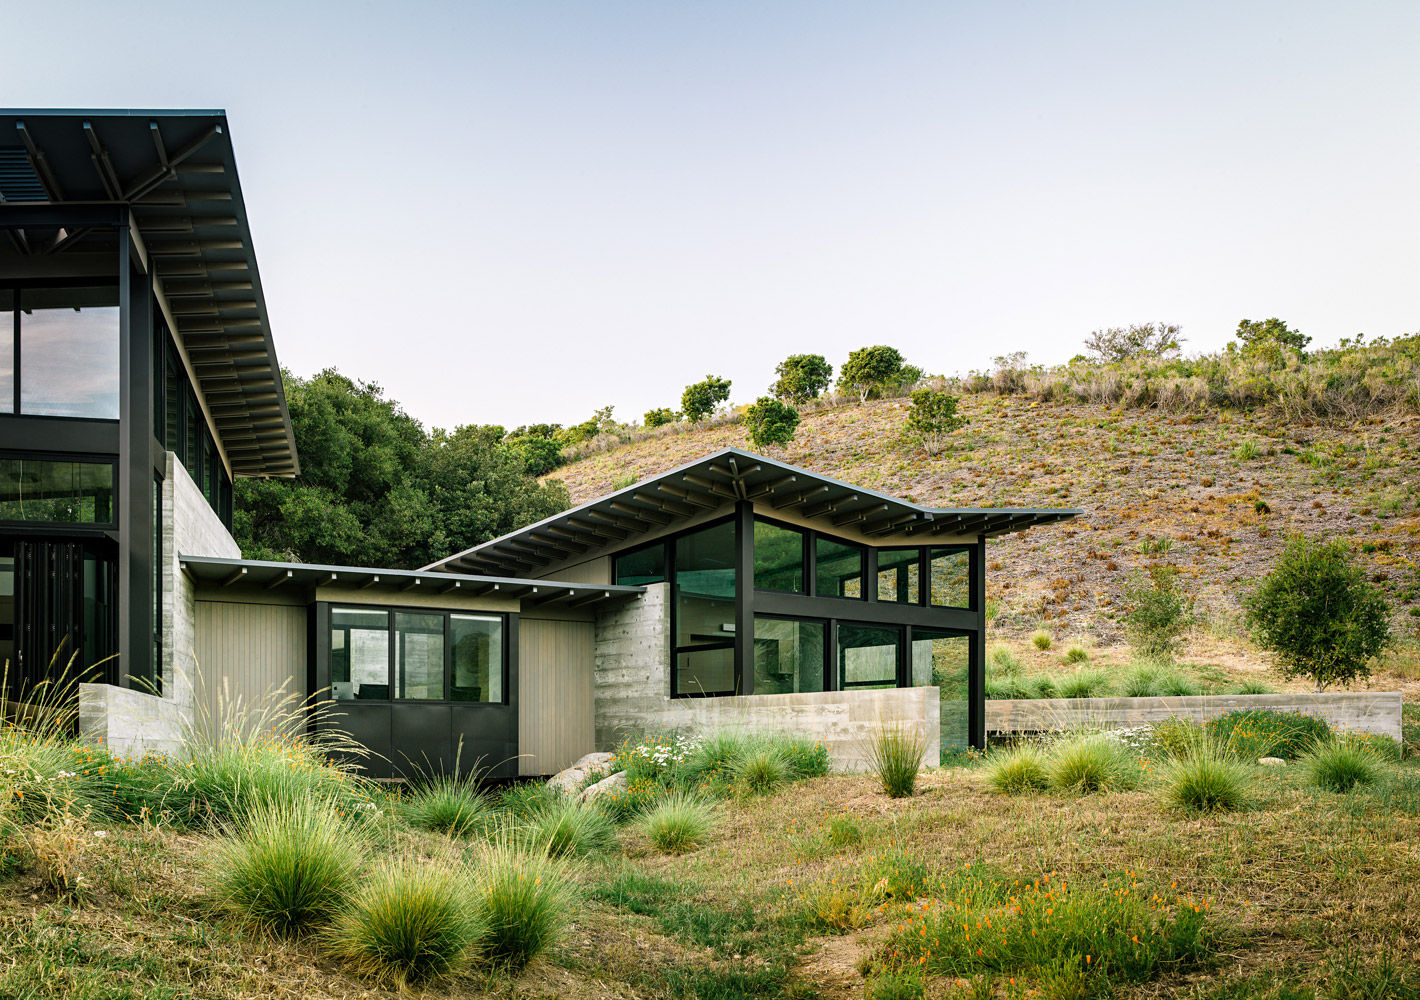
[(932, 417), (1158, 614), (377, 489), (1341, 765), (801, 377), (1318, 613), (699, 400), (408, 922), (870, 370), (660, 416), (1250, 733), (771, 422), (1255, 334)]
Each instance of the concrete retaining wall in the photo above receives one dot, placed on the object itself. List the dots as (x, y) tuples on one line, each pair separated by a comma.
[(1347, 711), (631, 691)]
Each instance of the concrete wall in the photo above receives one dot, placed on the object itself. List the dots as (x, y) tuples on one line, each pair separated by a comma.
[(631, 688), (1360, 711), (133, 722), (555, 714)]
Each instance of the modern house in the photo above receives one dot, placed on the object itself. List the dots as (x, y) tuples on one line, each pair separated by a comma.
[(141, 377)]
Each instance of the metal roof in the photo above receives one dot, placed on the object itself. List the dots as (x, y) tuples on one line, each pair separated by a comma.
[(273, 575), (176, 171), (720, 479)]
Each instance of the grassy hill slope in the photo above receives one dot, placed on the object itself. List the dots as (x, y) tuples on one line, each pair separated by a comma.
[(1223, 489)]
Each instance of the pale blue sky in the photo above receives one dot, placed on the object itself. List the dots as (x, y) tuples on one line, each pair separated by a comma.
[(521, 211)]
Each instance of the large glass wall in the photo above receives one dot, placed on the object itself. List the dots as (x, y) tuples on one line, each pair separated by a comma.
[(419, 656), (778, 557), (376, 654), (868, 655), (56, 491), (788, 655), (839, 567), (65, 346), (899, 575), (640, 567), (944, 659), (705, 611), (359, 654)]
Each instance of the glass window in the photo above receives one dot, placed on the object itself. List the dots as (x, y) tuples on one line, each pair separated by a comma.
[(778, 558), (191, 457), (706, 670), (56, 492), (950, 571), (641, 566), (788, 655), (172, 404), (69, 352), (419, 656), (867, 656), (944, 659), (7, 350), (840, 568), (476, 658), (898, 572), (359, 654)]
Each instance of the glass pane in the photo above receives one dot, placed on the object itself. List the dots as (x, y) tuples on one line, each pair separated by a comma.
[(69, 352), (359, 654), (172, 402), (7, 350), (951, 577), (705, 586), (788, 656), (191, 460), (56, 492), (642, 566), (867, 655), (839, 568), (897, 576), (706, 671), (419, 656), (778, 558), (476, 656), (944, 660)]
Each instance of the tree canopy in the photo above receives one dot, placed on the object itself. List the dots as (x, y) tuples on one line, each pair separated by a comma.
[(377, 489), (802, 377)]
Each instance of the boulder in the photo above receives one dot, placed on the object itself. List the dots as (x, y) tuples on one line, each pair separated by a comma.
[(616, 783), (595, 761), (569, 781), (1272, 762)]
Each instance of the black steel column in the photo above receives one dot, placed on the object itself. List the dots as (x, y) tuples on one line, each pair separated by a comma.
[(976, 678), (744, 595)]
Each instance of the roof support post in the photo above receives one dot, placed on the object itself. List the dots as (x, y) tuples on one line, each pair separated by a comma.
[(976, 663)]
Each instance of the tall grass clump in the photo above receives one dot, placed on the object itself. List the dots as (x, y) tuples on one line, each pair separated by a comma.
[(1339, 765), (408, 922), (447, 805), (286, 866), (760, 770), (804, 757), (1087, 682), (1075, 654), (1141, 681), (894, 754), (522, 901), (569, 829), (1041, 639), (1207, 779), (1093, 762), (523, 800), (1001, 661), (1007, 687), (678, 824), (1022, 768)]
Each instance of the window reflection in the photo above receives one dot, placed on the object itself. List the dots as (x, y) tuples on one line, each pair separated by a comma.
[(69, 346), (868, 655), (788, 655), (898, 573), (778, 558)]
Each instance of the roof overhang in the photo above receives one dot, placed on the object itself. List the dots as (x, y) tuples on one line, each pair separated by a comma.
[(720, 480), (224, 573), (176, 174)]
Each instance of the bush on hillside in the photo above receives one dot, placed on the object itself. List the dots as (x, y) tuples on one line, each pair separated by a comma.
[(1319, 615), (699, 400), (870, 370), (660, 416), (932, 418), (771, 422), (1147, 340), (1158, 614), (801, 377)]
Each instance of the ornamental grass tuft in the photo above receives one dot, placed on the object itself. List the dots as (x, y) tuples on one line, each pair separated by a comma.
[(1339, 765), (408, 922), (680, 823), (567, 829), (522, 900), (895, 754), (1093, 763), (760, 770), (447, 805), (286, 866), (1022, 768), (1206, 779), (1087, 682)]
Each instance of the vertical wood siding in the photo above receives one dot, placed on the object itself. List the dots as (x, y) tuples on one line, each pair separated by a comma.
[(245, 654), (555, 711)]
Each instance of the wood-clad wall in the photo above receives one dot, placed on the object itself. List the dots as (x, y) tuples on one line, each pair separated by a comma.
[(555, 710), (246, 654)]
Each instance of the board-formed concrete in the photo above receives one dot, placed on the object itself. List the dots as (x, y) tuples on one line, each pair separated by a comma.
[(1346, 711), (631, 688)]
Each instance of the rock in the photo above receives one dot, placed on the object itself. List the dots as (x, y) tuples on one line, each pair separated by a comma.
[(616, 783), (569, 781), (595, 762), (1272, 762)]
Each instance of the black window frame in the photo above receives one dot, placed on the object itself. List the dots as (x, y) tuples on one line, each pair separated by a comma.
[(17, 357), (111, 525), (820, 536), (807, 540), (737, 670), (926, 575), (830, 637), (393, 610)]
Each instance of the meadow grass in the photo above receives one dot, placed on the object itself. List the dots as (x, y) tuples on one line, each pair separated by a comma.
[(523, 900), (895, 754), (1206, 779), (678, 824), (447, 805), (1339, 765), (568, 829), (1021, 768), (1093, 762)]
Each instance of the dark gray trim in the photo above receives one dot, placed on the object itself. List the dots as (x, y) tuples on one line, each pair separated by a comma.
[(744, 596), (976, 683)]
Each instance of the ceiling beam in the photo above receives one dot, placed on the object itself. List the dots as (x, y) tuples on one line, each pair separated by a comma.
[(40, 164)]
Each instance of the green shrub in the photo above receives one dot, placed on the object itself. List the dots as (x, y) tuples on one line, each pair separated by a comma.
[(679, 823), (895, 755), (1176, 685), (802, 377), (1087, 682), (1007, 688), (569, 829), (447, 805), (43, 774), (1158, 614), (700, 399), (1319, 614), (1022, 768), (1093, 763), (932, 418), (870, 370), (805, 758), (770, 422), (1177, 737), (638, 796), (407, 923), (1338, 766), (1041, 639), (1382, 746), (657, 755), (660, 416), (760, 770), (522, 901), (1251, 733), (1090, 934), (286, 866), (1075, 654), (895, 875), (1141, 681), (843, 832), (1253, 687), (1001, 660), (1206, 780), (897, 984), (1045, 687)]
